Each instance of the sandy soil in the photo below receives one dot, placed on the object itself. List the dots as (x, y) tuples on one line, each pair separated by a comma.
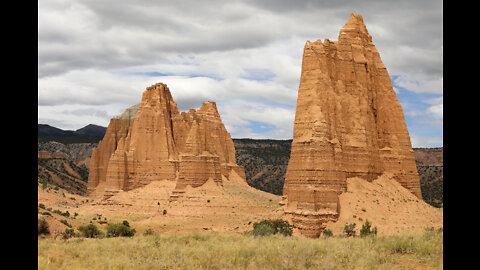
[(387, 205), (236, 206), (231, 208)]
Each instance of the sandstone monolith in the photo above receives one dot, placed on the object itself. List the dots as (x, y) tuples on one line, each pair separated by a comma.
[(153, 141), (348, 123)]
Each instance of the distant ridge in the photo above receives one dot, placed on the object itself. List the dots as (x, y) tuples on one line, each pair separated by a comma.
[(92, 130), (88, 134)]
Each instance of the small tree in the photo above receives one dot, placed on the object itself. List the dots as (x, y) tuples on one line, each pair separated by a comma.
[(349, 229), (43, 227), (282, 227), (327, 233), (90, 231), (365, 230), (266, 227), (262, 229), (119, 229), (69, 233)]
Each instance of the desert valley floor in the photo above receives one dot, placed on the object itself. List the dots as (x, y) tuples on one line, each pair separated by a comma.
[(234, 207)]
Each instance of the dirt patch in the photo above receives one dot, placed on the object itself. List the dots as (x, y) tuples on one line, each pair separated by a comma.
[(387, 205)]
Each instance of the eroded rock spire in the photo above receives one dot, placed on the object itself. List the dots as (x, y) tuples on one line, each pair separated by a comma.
[(348, 123), (153, 141)]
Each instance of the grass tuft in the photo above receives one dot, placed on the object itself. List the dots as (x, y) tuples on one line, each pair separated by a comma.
[(233, 251)]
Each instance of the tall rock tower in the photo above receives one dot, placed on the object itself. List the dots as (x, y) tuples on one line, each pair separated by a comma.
[(153, 141), (348, 123)]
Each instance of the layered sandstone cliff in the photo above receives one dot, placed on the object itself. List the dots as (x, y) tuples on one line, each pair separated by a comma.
[(348, 123), (153, 141)]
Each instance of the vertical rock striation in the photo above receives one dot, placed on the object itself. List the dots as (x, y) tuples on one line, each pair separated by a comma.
[(348, 123), (152, 141)]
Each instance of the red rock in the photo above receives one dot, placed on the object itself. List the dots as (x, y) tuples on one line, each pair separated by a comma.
[(348, 123), (153, 141)]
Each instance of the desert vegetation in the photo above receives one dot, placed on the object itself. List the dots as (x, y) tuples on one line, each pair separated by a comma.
[(63, 173), (237, 251), (265, 163), (43, 227), (269, 227)]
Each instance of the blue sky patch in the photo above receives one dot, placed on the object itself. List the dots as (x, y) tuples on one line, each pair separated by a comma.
[(255, 74), (260, 127), (420, 121)]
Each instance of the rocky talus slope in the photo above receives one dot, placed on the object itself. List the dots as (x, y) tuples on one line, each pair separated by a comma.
[(265, 162), (59, 171), (430, 169), (79, 152)]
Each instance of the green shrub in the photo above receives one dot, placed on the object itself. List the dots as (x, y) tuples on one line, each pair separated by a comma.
[(282, 227), (90, 231), (267, 227), (41, 205), (126, 223), (149, 232), (64, 221), (349, 229), (69, 233), (262, 229), (327, 233), (119, 229), (66, 214), (164, 211), (43, 227), (365, 230)]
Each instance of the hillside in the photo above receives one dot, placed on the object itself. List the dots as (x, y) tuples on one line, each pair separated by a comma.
[(430, 169), (60, 172), (211, 208), (88, 134), (265, 161), (75, 151)]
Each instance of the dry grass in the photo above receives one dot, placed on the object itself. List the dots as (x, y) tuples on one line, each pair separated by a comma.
[(233, 251)]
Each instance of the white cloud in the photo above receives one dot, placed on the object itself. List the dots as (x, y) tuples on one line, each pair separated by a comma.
[(436, 110), (426, 141), (75, 116), (419, 83), (103, 54), (415, 113)]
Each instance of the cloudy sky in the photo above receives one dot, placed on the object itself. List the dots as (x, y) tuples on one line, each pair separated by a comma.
[(95, 58)]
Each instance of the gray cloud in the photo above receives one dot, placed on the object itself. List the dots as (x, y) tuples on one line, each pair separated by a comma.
[(105, 35), (101, 53)]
